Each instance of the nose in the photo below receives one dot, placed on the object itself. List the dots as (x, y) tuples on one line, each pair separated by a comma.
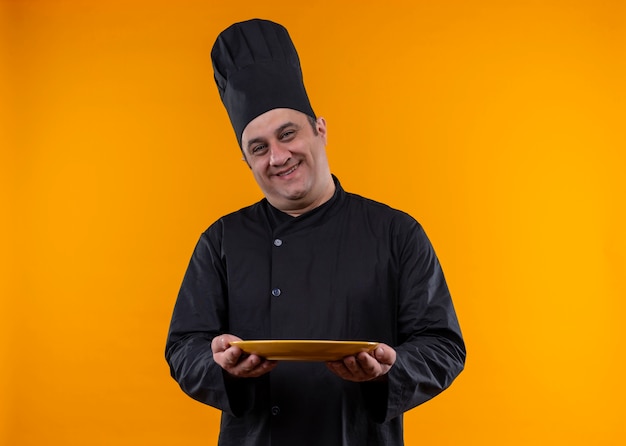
[(279, 155)]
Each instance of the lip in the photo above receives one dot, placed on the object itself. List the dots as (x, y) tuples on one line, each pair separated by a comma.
[(287, 172)]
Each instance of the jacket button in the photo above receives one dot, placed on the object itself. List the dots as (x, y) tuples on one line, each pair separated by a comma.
[(275, 410), (276, 292), (278, 242)]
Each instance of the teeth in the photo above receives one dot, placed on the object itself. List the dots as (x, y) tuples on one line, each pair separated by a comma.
[(288, 172)]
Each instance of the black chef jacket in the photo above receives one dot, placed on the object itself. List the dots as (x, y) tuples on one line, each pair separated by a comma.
[(352, 269)]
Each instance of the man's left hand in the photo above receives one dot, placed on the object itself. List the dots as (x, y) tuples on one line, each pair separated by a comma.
[(365, 366)]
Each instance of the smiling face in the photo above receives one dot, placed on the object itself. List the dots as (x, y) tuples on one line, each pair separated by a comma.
[(288, 159)]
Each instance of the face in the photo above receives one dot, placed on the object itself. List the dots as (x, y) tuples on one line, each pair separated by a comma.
[(288, 159)]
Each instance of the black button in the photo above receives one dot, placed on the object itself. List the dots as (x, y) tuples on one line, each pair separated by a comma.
[(275, 410), (276, 292)]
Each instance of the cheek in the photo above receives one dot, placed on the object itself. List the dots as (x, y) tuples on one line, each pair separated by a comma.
[(319, 155), (257, 166), (259, 176)]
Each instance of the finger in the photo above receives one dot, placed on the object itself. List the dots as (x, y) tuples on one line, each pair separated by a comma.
[(231, 356), (219, 344), (338, 368), (222, 342), (264, 367), (359, 368), (259, 371), (251, 362), (350, 363), (216, 345), (253, 366), (368, 364), (385, 355)]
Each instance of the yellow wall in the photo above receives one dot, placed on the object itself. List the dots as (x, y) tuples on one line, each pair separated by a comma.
[(499, 125)]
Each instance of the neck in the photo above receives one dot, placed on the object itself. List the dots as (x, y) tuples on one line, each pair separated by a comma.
[(300, 208)]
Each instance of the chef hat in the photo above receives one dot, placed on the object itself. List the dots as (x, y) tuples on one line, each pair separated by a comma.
[(257, 69)]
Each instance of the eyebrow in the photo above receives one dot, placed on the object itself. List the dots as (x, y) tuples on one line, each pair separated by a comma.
[(286, 125), (276, 132)]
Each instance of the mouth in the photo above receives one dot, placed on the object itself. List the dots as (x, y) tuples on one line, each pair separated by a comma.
[(289, 171)]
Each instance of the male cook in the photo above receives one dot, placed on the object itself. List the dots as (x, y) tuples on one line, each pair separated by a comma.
[(310, 261)]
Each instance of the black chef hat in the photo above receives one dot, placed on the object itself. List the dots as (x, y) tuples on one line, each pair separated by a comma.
[(257, 69)]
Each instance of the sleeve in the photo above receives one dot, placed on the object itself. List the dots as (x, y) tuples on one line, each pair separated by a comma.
[(430, 348), (200, 314)]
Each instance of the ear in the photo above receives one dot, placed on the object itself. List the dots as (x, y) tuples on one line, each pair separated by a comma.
[(321, 127), (244, 159)]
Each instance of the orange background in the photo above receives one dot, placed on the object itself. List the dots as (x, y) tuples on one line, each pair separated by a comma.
[(499, 125)]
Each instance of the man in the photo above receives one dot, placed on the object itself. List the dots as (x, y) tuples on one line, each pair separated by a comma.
[(308, 262)]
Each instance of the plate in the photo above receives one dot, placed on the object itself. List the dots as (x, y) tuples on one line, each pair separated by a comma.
[(308, 350)]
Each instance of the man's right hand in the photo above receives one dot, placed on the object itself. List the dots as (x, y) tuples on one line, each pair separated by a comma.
[(235, 362)]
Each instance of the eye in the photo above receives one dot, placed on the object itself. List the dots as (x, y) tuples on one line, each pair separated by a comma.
[(287, 134), (258, 149)]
